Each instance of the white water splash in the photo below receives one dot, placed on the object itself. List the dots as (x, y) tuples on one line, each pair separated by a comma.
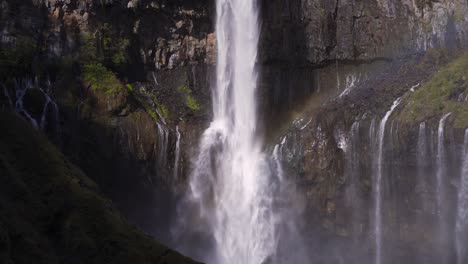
[(378, 183), (231, 178), (462, 210)]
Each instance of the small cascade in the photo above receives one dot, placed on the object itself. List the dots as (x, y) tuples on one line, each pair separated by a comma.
[(155, 80), (350, 84), (161, 117), (422, 167), (277, 153), (441, 163), (177, 154), (163, 139), (442, 183), (44, 112), (378, 183), (461, 233), (21, 90), (352, 173)]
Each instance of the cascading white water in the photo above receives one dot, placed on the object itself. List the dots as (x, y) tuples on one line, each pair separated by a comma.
[(462, 208), (230, 181), (441, 186), (441, 164), (163, 139), (21, 90), (350, 84), (277, 152), (378, 183)]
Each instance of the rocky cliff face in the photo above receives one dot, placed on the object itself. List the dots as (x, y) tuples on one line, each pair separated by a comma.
[(114, 84), (316, 32), (333, 70), (312, 45)]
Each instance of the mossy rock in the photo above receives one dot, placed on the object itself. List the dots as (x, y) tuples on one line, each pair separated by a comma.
[(50, 212), (441, 95), (190, 101)]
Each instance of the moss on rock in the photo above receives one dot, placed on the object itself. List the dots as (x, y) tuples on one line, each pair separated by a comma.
[(445, 92), (190, 101), (101, 79)]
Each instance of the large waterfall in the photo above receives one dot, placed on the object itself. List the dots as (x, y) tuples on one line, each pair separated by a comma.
[(230, 182)]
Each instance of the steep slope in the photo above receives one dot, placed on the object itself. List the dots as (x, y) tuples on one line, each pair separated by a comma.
[(50, 212)]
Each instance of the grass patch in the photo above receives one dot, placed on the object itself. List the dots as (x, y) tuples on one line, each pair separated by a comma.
[(101, 79), (190, 101), (440, 95)]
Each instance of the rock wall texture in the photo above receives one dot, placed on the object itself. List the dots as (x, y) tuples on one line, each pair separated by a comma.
[(127, 75), (109, 82), (316, 31)]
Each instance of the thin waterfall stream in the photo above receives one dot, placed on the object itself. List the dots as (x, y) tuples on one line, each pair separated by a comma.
[(378, 183)]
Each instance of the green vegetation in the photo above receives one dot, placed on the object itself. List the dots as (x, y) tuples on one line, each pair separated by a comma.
[(130, 88), (104, 46), (164, 111), (190, 101), (152, 113), (50, 212), (440, 95), (101, 52), (101, 79)]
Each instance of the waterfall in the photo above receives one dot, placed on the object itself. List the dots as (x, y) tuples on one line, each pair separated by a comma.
[(352, 173), (422, 164), (441, 164), (177, 154), (462, 208), (163, 138), (277, 152), (230, 180), (19, 106), (378, 183), (350, 84), (48, 102), (441, 194)]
